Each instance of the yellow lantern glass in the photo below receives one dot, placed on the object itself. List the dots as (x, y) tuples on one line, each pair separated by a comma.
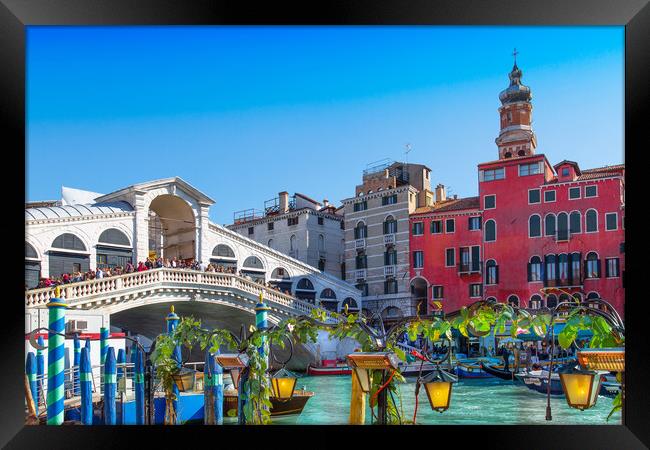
[(439, 393), (283, 383), (581, 388)]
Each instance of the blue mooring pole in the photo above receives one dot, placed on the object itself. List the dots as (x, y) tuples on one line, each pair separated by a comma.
[(103, 346), (218, 391), (30, 370), (139, 387), (40, 371), (208, 392), (75, 365), (121, 359), (172, 322), (86, 382), (110, 387)]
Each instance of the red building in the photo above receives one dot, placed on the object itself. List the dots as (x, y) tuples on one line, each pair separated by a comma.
[(533, 226)]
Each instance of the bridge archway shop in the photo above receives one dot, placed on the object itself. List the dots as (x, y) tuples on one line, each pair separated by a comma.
[(68, 254)]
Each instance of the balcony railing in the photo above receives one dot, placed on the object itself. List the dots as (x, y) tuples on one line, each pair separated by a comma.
[(389, 239), (360, 243), (470, 267), (389, 271), (360, 274)]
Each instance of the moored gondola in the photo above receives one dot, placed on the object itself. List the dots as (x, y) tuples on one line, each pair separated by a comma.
[(499, 373)]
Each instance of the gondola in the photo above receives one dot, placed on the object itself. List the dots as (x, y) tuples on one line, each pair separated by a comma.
[(499, 373), (294, 405)]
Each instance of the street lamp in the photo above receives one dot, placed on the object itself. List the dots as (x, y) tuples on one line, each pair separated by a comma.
[(283, 383), (581, 388), (438, 388), (235, 362)]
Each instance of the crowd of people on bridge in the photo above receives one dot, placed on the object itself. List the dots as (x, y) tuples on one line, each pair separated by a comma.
[(149, 264)]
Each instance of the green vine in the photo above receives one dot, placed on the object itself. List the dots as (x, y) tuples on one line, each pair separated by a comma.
[(478, 319)]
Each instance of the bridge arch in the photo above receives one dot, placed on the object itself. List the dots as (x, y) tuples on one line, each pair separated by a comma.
[(172, 227)]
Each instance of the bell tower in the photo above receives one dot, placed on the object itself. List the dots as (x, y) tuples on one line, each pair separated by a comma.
[(516, 137)]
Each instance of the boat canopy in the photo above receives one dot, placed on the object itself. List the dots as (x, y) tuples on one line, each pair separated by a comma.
[(557, 328)]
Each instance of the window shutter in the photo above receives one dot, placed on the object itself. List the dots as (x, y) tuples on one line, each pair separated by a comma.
[(598, 268), (544, 279), (557, 270), (496, 274), (530, 278), (618, 269)]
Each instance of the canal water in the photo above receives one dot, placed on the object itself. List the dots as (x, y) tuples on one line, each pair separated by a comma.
[(489, 401)]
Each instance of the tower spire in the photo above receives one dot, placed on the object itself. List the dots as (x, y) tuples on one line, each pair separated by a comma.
[(514, 54)]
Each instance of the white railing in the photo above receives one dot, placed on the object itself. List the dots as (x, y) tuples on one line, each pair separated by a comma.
[(389, 239), (360, 243), (78, 292), (389, 271), (360, 274)]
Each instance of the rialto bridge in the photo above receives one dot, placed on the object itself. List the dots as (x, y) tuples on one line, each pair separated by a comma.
[(167, 217)]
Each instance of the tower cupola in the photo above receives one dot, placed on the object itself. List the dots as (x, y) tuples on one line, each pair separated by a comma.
[(516, 137)]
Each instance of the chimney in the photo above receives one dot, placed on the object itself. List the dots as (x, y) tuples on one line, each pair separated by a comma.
[(440, 193), (284, 202), (455, 196), (326, 203)]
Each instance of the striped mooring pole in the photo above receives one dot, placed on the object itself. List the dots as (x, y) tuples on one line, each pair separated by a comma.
[(40, 370), (172, 322), (30, 370), (86, 386), (261, 322), (139, 387), (103, 348), (75, 366), (110, 388), (217, 388), (55, 359), (121, 359)]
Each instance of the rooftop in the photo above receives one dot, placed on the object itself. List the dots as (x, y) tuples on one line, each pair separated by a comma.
[(54, 212), (458, 204)]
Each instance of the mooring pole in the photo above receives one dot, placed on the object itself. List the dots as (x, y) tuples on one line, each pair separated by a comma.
[(172, 322), (75, 365), (30, 370), (139, 387), (110, 387), (86, 386), (208, 391), (55, 359), (40, 371)]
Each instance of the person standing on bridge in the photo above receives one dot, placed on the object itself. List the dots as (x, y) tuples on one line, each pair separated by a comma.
[(99, 274)]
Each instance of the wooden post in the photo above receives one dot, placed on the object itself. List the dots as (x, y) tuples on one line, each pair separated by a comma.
[(357, 402)]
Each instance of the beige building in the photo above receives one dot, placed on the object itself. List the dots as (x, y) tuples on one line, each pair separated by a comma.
[(377, 235)]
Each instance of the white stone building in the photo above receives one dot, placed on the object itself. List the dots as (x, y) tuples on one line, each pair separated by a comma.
[(116, 227), (300, 227)]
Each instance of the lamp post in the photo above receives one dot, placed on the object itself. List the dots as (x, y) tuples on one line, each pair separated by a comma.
[(581, 387)]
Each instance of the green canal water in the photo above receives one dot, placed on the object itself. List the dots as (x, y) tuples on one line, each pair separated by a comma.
[(473, 402)]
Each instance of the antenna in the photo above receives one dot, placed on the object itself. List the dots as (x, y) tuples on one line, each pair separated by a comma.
[(406, 162)]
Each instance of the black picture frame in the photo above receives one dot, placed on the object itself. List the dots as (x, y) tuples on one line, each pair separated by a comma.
[(15, 15)]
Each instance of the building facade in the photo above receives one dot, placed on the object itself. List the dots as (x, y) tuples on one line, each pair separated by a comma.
[(536, 234), (119, 227), (377, 235), (307, 230)]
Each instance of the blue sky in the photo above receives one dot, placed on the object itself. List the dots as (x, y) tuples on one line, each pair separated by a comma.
[(242, 113)]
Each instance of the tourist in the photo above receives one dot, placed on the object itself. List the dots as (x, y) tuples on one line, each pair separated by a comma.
[(129, 268), (141, 267), (99, 274)]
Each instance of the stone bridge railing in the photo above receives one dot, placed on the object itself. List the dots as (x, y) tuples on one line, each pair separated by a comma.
[(75, 293)]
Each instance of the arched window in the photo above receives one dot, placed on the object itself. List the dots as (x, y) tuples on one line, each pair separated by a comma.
[(391, 311), (535, 269), (321, 243), (591, 219), (513, 300), (253, 262), (593, 295), (390, 225), (577, 297), (270, 243), (551, 301), (30, 252), (534, 226), (490, 231), (352, 304), (305, 285), (507, 155), (592, 266), (491, 272), (550, 274), (111, 251), (292, 243), (574, 222), (113, 236), (280, 273), (68, 241), (535, 302), (521, 153), (549, 225), (222, 250), (328, 293), (562, 227), (360, 231), (564, 298)]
